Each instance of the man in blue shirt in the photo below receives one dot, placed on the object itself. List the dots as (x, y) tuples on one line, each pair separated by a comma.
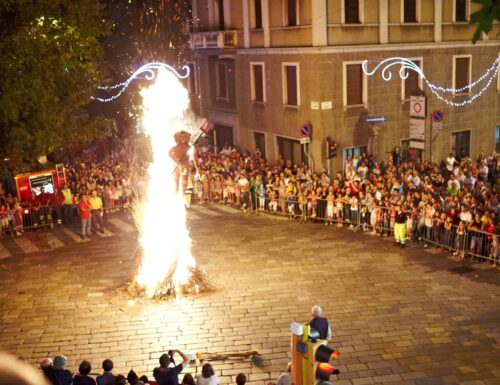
[(166, 375), (320, 323)]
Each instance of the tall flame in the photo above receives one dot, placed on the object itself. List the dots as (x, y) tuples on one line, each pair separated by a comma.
[(165, 240)]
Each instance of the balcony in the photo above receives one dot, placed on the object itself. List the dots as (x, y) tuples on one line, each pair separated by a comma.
[(214, 39)]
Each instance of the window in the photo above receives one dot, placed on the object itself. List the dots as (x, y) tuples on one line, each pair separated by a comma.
[(291, 84), (221, 91), (257, 82), (260, 143), (220, 9), (460, 143), (412, 82), (461, 10), (257, 13), (291, 150), (497, 138), (462, 73), (292, 11), (351, 12), (220, 136), (410, 11), (355, 92), (191, 80)]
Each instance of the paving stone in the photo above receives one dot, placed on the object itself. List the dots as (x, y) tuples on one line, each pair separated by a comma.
[(398, 317)]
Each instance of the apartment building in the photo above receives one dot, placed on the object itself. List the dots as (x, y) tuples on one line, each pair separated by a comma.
[(264, 69)]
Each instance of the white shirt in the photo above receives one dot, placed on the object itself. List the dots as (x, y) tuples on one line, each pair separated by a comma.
[(212, 380), (450, 162)]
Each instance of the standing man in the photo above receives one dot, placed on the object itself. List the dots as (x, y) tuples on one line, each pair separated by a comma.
[(57, 202), (320, 323), (165, 375), (68, 202), (85, 215), (245, 191), (97, 212), (400, 227)]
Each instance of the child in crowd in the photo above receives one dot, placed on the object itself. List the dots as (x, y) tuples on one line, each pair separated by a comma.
[(329, 208)]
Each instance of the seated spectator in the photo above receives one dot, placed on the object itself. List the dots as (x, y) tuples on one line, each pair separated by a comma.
[(47, 368), (107, 378), (241, 379), (120, 380), (207, 376), (63, 375), (83, 377), (144, 379), (15, 372), (165, 375), (133, 379), (188, 379), (286, 378), (320, 323)]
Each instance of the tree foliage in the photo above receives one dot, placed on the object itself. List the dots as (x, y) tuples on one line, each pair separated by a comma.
[(484, 17), (50, 64)]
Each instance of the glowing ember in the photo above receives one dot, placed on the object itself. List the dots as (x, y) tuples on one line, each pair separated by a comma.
[(162, 217)]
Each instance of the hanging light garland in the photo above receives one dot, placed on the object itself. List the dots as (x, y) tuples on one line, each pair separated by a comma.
[(146, 72), (406, 65)]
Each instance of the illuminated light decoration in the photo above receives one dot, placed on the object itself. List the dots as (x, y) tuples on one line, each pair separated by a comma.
[(386, 66), (146, 72)]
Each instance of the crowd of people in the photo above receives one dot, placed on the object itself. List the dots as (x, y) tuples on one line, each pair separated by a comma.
[(453, 204), (442, 203), (97, 180)]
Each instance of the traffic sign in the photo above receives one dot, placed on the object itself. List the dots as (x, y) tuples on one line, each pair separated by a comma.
[(375, 119), (417, 128), (417, 106), (437, 126), (305, 140), (305, 130), (437, 116)]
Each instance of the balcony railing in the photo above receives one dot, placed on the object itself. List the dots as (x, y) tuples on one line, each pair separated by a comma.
[(214, 39)]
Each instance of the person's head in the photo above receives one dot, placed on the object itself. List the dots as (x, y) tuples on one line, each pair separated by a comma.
[(164, 360), (132, 378), (316, 311), (241, 379), (107, 365), (84, 368), (188, 379), (120, 380), (15, 372), (144, 379), (207, 370), (94, 194), (60, 362), (46, 363), (289, 367)]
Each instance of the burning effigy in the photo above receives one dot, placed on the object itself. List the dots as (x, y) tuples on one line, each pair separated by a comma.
[(167, 268)]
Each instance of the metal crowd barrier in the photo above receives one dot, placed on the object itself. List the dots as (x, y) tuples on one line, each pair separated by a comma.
[(37, 218), (379, 220)]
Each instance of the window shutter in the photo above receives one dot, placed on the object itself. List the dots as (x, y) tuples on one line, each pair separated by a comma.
[(258, 13), (410, 11), (354, 84), (291, 85), (411, 82), (461, 73), (351, 9), (460, 10), (258, 83), (292, 13)]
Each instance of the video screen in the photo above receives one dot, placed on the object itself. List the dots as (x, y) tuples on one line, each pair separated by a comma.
[(39, 181)]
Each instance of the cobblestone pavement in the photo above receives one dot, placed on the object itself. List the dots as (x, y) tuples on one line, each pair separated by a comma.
[(398, 316)]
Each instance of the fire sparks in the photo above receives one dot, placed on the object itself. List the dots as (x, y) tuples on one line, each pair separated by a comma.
[(162, 217)]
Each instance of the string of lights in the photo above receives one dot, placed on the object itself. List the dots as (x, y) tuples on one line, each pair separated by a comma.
[(406, 65), (146, 72)]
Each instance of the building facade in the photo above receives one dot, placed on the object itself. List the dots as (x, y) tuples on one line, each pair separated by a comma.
[(265, 68)]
